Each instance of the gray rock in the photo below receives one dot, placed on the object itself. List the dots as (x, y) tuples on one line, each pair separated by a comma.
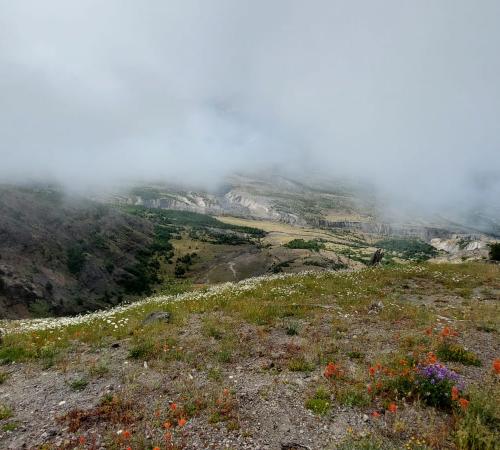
[(293, 446), (157, 316)]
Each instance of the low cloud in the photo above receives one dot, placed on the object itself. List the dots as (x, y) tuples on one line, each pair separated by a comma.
[(405, 95)]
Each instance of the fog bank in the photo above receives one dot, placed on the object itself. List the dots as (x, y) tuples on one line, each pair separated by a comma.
[(404, 94)]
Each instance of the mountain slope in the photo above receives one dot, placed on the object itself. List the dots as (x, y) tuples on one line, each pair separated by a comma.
[(318, 361), (64, 255)]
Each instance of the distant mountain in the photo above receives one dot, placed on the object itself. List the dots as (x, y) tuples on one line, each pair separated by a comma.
[(318, 202)]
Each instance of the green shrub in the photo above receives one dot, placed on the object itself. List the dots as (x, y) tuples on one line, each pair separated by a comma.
[(13, 354), (479, 425), (75, 260), (292, 329), (300, 365), (313, 245), (5, 412), (320, 402), (141, 350), (408, 248), (79, 384), (456, 353), (10, 426), (3, 377), (495, 251), (353, 396)]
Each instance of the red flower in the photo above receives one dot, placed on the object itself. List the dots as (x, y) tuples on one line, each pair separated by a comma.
[(463, 403), (431, 358), (392, 407), (375, 414), (167, 425), (496, 366), (372, 371), (181, 422), (445, 332), (454, 393), (81, 440), (126, 434), (331, 370), (173, 406)]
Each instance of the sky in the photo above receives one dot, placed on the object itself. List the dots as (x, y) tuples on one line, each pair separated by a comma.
[(405, 94)]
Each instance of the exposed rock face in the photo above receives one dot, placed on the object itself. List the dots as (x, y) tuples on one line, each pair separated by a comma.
[(326, 205), (462, 246)]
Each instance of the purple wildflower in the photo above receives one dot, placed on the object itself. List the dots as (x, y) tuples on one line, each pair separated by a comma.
[(437, 373)]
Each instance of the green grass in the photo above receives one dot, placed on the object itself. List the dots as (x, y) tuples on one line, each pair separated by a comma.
[(320, 403), (10, 426), (5, 412), (261, 307), (353, 395), (249, 321), (456, 353), (10, 354), (79, 384), (292, 329), (142, 350), (478, 428), (300, 364), (3, 377)]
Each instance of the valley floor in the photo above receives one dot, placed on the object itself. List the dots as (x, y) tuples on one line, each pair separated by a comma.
[(306, 361)]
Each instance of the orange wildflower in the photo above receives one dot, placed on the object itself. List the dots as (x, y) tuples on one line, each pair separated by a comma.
[(173, 406), (464, 403), (331, 370), (496, 366), (446, 332), (128, 448), (156, 448), (372, 371), (431, 358), (392, 407), (126, 434), (454, 393), (167, 425), (375, 414), (81, 440), (378, 366), (182, 422)]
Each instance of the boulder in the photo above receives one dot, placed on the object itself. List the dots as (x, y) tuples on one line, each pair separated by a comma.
[(157, 316)]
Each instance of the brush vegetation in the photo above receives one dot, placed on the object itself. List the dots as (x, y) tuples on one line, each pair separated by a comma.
[(321, 329)]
